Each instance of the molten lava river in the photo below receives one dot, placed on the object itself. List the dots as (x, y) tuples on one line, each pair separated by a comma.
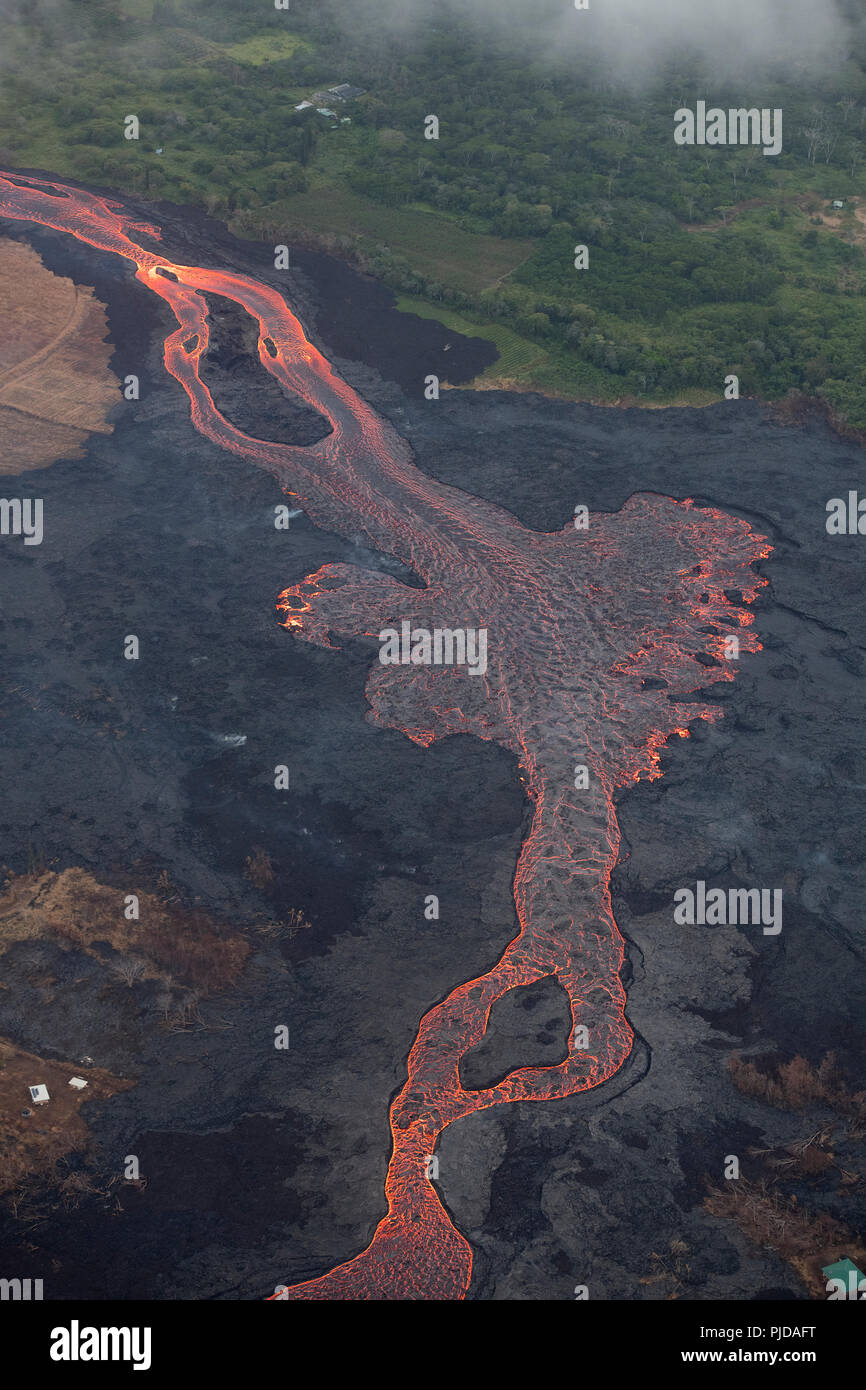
[(587, 632)]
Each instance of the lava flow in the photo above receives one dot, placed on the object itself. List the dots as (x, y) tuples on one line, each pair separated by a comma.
[(590, 633)]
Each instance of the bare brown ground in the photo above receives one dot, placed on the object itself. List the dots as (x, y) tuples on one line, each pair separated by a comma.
[(31, 1144), (807, 1240), (855, 235), (55, 384), (814, 203), (177, 945), (769, 1215), (168, 942)]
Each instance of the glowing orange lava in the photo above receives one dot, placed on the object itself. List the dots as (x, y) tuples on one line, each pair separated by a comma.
[(582, 626)]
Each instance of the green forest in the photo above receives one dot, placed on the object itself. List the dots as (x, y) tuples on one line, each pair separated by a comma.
[(702, 262)]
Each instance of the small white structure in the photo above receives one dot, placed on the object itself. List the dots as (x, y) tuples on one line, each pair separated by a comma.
[(303, 106), (39, 1094), (838, 203), (78, 1082), (324, 111)]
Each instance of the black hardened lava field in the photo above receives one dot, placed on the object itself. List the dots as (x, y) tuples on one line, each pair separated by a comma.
[(431, 573)]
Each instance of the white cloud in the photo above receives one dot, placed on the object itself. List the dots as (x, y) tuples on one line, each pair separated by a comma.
[(636, 36)]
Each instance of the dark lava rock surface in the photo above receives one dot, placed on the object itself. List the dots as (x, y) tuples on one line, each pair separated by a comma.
[(266, 1166)]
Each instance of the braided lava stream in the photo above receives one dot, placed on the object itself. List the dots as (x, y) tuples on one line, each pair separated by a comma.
[(587, 633)]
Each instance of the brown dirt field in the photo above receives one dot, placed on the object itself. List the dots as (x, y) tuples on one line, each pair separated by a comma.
[(858, 236), (31, 1145), (55, 383), (807, 1240), (804, 203), (835, 220), (167, 941)]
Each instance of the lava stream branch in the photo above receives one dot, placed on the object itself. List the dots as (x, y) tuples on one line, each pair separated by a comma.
[(594, 638)]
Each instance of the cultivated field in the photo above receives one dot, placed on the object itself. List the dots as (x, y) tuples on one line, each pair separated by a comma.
[(55, 384)]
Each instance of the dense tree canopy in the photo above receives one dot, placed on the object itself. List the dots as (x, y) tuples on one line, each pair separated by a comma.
[(702, 261)]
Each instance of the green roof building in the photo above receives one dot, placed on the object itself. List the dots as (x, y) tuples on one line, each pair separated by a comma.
[(844, 1269)]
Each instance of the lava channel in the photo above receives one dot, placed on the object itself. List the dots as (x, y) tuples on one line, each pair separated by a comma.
[(583, 626)]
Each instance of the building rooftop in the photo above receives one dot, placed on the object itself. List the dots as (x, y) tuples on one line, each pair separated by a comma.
[(346, 92), (841, 1269)]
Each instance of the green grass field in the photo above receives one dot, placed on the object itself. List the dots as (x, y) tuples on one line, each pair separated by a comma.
[(519, 359), (524, 365), (436, 246), (700, 266), (265, 49)]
